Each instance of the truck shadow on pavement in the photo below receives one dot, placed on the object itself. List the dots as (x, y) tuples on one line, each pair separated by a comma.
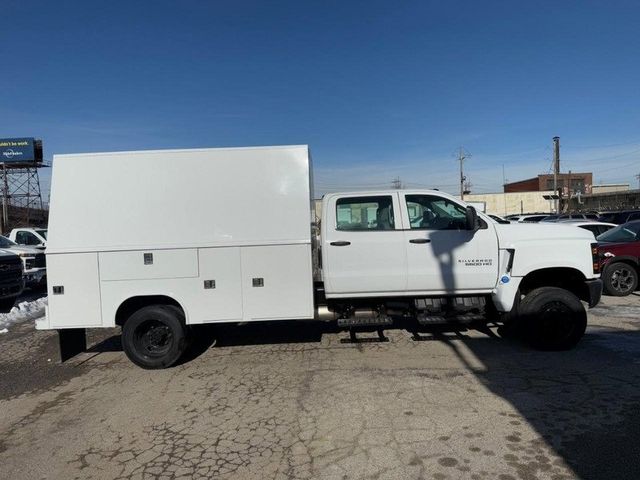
[(583, 403)]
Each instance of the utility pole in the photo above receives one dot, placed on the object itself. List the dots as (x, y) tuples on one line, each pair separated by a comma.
[(556, 168), (462, 155), (396, 183), (504, 193), (5, 201)]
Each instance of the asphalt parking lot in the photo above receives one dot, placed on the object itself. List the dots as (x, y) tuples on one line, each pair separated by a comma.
[(297, 401)]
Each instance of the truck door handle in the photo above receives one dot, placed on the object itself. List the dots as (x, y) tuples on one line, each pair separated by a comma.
[(419, 240), (341, 243)]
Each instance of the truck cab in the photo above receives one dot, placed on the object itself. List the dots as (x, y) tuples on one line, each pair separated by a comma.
[(32, 237), (426, 255)]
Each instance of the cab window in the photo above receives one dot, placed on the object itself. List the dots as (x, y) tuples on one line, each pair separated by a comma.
[(365, 213), (27, 238), (428, 212)]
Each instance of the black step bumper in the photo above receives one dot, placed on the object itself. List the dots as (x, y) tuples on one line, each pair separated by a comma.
[(594, 291)]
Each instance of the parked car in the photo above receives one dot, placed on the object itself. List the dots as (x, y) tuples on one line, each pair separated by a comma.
[(11, 281), (33, 262), (498, 218), (620, 217), (597, 228), (619, 253), (526, 218), (570, 216), (33, 237)]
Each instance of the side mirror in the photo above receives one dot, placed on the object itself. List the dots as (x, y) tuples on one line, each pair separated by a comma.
[(472, 219)]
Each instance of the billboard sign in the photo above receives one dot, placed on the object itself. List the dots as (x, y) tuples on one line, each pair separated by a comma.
[(17, 150)]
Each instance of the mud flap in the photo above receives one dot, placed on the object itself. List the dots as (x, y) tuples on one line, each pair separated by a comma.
[(72, 342)]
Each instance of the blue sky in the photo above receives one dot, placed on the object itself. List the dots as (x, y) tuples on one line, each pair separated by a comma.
[(377, 89)]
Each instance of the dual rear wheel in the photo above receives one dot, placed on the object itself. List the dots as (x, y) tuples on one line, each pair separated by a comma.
[(155, 336)]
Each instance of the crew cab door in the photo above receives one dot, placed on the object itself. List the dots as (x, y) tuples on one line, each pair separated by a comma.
[(442, 255), (363, 251)]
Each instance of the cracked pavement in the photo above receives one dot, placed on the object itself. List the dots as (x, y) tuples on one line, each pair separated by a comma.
[(289, 401)]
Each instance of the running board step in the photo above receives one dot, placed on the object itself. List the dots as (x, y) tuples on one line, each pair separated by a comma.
[(365, 322), (441, 319)]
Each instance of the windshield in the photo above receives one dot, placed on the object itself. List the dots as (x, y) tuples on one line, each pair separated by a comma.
[(6, 243), (622, 233), (42, 232)]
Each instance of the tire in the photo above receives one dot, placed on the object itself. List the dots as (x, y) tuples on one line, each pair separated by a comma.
[(155, 336), (552, 319), (6, 304), (620, 279)]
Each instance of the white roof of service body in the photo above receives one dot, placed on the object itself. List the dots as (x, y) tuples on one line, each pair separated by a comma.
[(180, 198)]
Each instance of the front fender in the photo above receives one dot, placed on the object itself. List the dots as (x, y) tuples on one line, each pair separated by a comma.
[(534, 256)]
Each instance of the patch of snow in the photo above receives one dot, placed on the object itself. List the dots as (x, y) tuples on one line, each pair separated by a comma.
[(21, 312)]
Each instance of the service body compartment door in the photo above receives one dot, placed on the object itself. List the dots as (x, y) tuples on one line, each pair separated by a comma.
[(148, 264), (220, 285), (277, 282), (76, 299), (442, 256), (363, 247)]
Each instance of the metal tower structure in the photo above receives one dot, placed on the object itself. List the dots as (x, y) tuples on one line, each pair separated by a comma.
[(21, 196), (20, 160)]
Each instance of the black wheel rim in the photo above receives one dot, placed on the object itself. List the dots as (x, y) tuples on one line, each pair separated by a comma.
[(153, 338), (622, 279), (556, 321)]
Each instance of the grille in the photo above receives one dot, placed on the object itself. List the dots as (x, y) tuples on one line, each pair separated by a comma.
[(10, 269)]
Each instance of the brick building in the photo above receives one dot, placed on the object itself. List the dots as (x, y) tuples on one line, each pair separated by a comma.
[(580, 182)]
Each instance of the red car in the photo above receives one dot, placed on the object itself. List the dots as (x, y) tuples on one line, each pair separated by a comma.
[(619, 253)]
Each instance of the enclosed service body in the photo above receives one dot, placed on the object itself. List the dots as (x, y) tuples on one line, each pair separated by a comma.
[(157, 240), (226, 233)]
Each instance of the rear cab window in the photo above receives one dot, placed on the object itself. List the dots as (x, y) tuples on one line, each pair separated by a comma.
[(365, 213)]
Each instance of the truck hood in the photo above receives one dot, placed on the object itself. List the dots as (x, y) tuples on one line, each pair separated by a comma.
[(539, 247), (515, 233), (23, 249)]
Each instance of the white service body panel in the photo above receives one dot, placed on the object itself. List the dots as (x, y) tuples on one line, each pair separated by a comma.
[(163, 223)]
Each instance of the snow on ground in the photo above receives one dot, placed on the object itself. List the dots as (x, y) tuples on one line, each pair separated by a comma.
[(21, 312)]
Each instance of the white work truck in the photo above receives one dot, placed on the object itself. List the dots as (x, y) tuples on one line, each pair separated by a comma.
[(157, 241)]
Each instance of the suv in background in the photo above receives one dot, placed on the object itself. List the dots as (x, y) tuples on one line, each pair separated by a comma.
[(620, 217), (619, 254), (11, 281), (33, 237)]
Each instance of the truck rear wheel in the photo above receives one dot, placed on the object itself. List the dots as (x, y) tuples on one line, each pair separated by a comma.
[(552, 318), (155, 336)]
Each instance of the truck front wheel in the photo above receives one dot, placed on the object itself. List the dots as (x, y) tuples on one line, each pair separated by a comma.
[(154, 336), (552, 318)]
